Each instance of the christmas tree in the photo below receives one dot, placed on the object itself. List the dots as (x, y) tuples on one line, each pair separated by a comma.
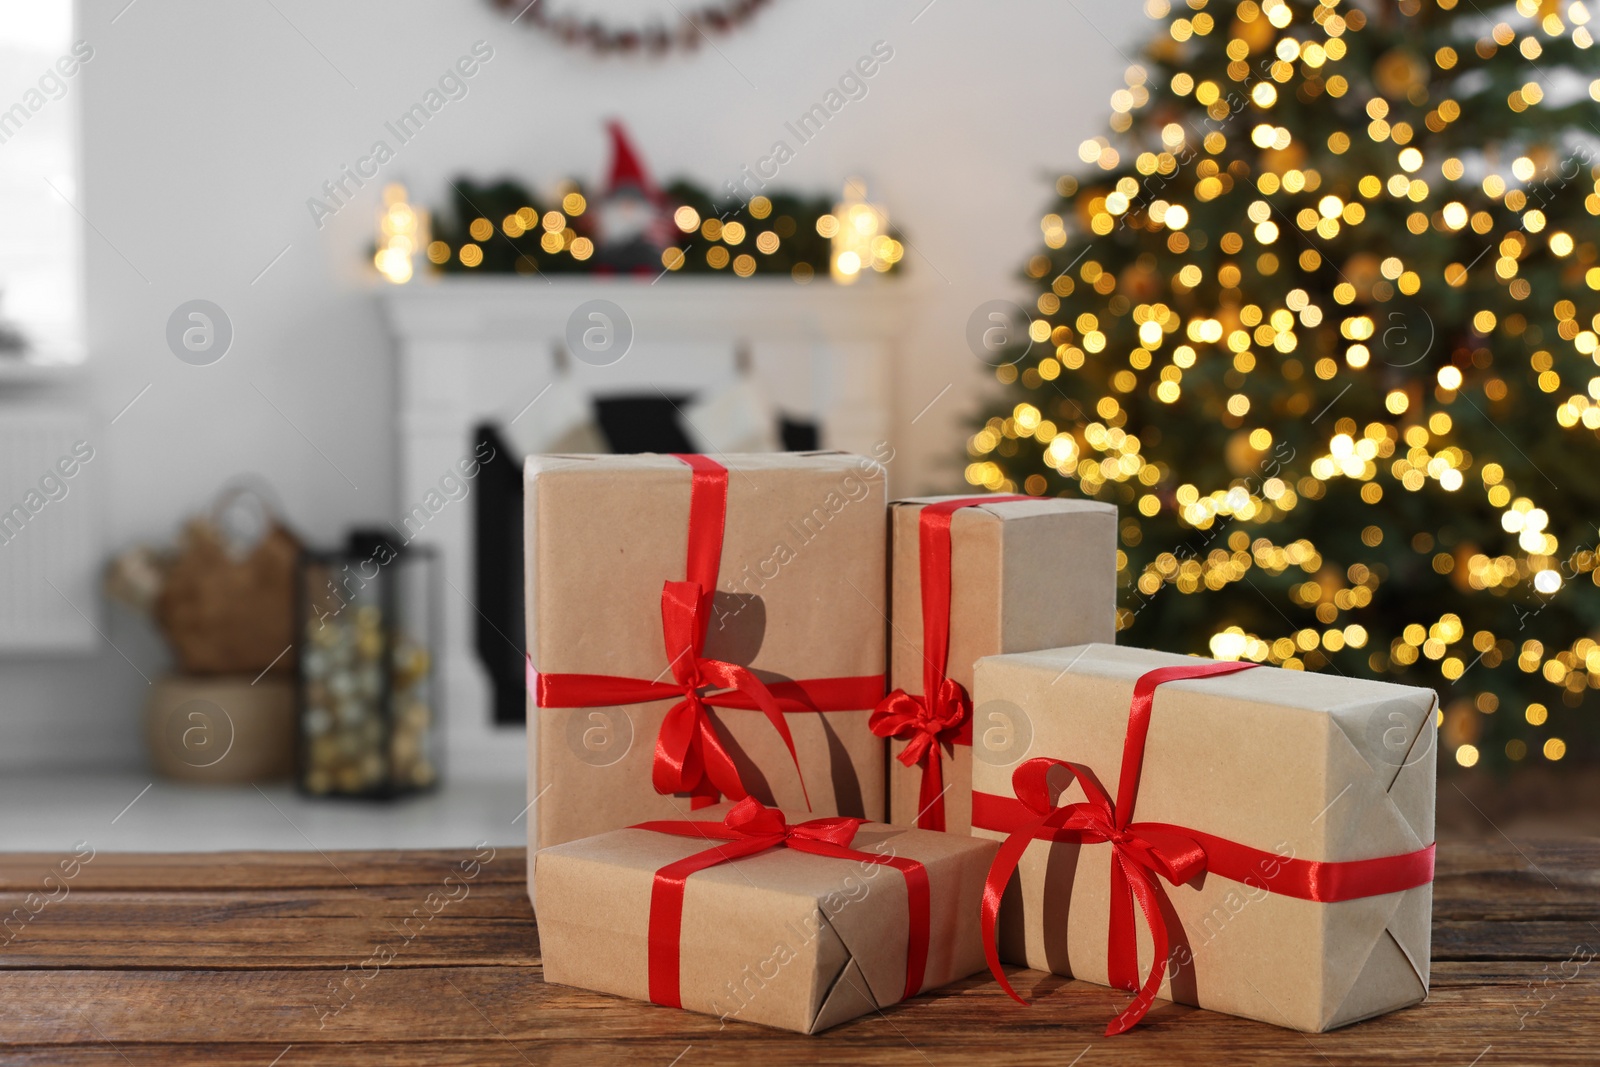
[(1319, 316)]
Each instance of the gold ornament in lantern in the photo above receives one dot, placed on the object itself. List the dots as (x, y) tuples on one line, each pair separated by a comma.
[(369, 696)]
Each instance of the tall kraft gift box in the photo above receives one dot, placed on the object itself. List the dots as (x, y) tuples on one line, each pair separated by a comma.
[(700, 628), (1247, 839), (972, 577)]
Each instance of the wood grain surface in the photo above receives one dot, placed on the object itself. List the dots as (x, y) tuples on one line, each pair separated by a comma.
[(304, 958)]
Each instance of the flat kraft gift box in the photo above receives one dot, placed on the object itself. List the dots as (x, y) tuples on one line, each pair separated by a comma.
[(1247, 839), (750, 913), (703, 627), (972, 577)]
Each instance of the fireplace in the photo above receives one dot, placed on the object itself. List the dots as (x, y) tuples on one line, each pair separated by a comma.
[(491, 350)]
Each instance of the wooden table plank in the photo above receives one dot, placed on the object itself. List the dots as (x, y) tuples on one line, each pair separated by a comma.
[(1471, 1007), (25, 872), (496, 1053), (490, 923), (240, 958), (1500, 940), (1571, 866)]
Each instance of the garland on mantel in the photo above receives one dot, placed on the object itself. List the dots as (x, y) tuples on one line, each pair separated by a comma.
[(503, 228), (654, 38)]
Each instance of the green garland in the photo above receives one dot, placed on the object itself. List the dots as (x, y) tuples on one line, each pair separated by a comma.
[(503, 228)]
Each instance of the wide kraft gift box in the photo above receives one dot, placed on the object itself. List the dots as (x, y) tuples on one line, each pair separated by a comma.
[(1297, 807), (797, 939), (796, 544), (1006, 574)]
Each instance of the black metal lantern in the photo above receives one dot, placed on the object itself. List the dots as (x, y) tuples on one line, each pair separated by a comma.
[(368, 688)]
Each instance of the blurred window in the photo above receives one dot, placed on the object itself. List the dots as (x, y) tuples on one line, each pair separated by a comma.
[(42, 70)]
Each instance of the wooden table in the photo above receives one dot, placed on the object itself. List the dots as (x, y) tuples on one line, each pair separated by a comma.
[(240, 958)]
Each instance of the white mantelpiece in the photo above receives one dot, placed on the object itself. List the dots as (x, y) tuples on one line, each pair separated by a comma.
[(472, 349)]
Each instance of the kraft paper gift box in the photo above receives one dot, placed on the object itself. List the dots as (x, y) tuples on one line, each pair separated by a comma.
[(972, 577), (799, 927), (1296, 809), (685, 614)]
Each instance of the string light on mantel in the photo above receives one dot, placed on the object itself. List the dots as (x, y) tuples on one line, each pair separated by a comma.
[(507, 228), (857, 229), (1354, 246), (402, 231)]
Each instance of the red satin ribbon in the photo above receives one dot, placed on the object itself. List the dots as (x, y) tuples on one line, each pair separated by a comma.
[(1143, 850), (749, 828), (942, 714), (690, 757)]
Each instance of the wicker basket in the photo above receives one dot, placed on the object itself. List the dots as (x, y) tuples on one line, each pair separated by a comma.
[(230, 611)]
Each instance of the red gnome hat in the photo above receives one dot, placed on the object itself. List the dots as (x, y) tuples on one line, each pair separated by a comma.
[(627, 172)]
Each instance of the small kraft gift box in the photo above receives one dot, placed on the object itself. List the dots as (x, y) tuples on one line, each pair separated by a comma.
[(748, 913), (970, 577), (1247, 839), (701, 628)]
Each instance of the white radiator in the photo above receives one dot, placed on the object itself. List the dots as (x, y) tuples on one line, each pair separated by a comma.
[(50, 483)]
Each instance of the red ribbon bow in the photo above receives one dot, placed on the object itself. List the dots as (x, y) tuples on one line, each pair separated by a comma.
[(924, 723), (942, 713), (752, 827), (690, 757), (1144, 850)]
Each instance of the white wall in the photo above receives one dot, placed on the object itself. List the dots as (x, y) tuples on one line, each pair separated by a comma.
[(208, 125)]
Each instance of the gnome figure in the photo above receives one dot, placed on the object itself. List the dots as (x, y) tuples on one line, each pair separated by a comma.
[(635, 225)]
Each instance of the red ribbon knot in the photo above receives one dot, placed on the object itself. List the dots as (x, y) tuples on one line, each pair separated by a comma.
[(1142, 851), (751, 819), (690, 756), (923, 722)]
